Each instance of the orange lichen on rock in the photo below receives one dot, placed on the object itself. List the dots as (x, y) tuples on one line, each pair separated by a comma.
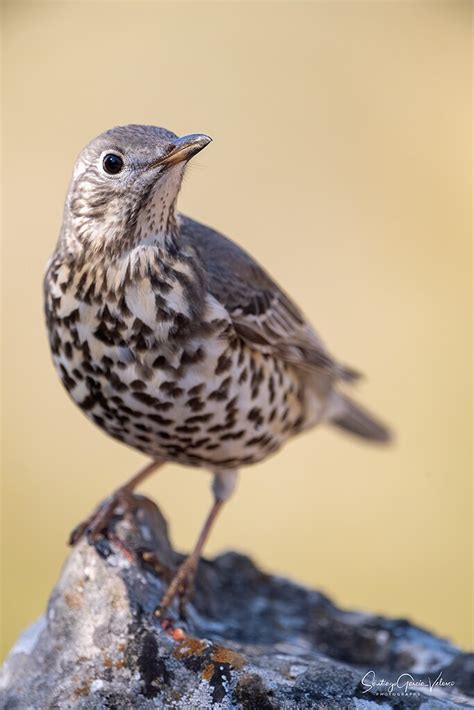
[(190, 647), (226, 655), (73, 600), (178, 634), (208, 671), (82, 690)]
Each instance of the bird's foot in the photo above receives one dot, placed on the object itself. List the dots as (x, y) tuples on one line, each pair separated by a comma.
[(181, 585), (96, 526)]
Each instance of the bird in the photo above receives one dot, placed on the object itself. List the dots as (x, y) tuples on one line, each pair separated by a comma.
[(173, 339)]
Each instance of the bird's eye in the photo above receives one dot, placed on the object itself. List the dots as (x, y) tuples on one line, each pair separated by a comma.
[(112, 163)]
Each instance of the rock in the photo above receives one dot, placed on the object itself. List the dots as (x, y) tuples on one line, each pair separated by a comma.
[(250, 641)]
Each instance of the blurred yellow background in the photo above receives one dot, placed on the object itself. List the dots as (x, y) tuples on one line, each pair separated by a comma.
[(341, 160)]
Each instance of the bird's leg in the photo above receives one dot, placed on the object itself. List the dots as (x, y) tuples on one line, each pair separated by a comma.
[(185, 574), (96, 524), (182, 582)]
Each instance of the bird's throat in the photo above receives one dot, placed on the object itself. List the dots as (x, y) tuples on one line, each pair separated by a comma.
[(156, 221)]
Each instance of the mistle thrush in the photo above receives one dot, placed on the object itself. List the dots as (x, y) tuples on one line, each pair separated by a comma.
[(172, 338)]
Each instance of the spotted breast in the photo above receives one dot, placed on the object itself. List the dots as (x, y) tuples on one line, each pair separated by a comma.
[(153, 358)]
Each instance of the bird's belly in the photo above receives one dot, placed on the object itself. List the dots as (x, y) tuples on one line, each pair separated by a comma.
[(214, 403)]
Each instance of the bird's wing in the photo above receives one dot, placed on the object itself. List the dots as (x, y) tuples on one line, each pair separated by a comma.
[(263, 315)]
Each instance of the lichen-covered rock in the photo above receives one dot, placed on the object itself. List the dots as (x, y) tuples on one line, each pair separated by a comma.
[(250, 641)]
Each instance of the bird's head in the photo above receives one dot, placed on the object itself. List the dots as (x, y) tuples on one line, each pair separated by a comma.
[(124, 187)]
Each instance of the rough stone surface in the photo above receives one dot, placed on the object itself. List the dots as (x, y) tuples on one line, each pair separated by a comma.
[(250, 641)]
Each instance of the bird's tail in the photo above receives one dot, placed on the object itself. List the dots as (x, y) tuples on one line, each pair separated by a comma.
[(352, 418)]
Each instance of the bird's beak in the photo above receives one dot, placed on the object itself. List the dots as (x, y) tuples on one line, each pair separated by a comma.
[(183, 149)]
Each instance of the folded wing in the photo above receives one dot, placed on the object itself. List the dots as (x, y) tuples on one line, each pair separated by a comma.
[(263, 315)]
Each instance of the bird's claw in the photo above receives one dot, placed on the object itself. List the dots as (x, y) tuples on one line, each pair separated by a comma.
[(181, 586), (96, 526)]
